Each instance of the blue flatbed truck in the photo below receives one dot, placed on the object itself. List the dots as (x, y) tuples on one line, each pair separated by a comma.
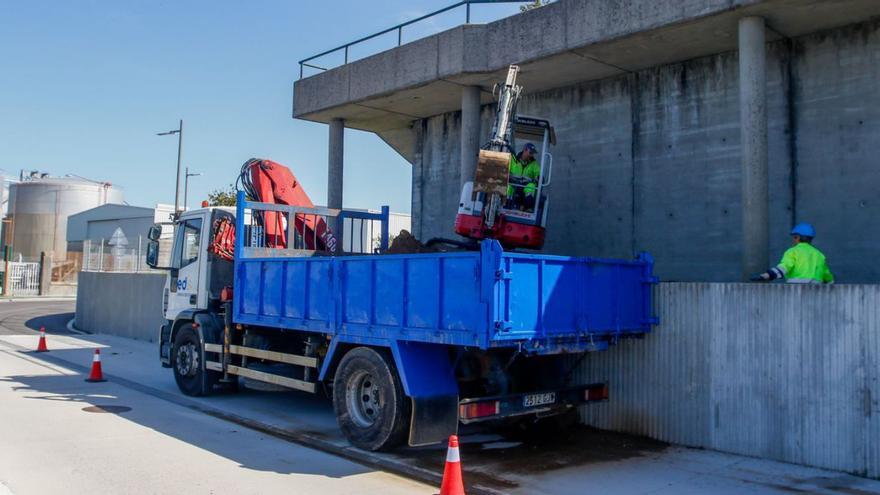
[(408, 346)]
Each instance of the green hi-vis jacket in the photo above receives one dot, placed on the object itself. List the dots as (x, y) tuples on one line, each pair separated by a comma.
[(804, 264), (523, 175)]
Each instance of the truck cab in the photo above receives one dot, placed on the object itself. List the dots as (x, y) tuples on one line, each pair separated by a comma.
[(195, 279)]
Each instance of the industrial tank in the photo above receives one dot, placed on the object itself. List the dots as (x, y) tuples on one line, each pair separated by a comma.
[(39, 206)]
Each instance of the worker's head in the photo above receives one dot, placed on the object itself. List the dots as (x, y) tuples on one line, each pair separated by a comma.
[(803, 232), (529, 152)]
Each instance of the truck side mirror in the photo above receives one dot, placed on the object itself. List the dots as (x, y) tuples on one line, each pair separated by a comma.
[(158, 255), (154, 233), (153, 253)]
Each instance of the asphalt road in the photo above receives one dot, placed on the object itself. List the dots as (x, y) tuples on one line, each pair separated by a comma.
[(551, 463), (59, 434), (26, 317)]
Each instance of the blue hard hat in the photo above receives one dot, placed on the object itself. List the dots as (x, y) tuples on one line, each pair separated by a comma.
[(530, 147), (804, 230)]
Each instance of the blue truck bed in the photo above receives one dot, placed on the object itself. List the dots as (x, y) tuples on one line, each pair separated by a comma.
[(540, 304)]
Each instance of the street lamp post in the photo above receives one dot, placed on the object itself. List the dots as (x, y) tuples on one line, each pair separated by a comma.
[(179, 132), (187, 175)]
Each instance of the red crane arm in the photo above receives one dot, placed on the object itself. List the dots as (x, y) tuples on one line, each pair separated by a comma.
[(275, 183)]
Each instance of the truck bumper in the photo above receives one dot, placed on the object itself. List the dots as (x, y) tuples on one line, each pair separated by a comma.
[(547, 402)]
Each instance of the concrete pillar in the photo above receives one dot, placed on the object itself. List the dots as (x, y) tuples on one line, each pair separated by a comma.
[(470, 132), (334, 164), (753, 134), (334, 173)]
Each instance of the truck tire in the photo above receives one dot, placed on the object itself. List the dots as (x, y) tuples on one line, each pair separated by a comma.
[(187, 361), (371, 408)]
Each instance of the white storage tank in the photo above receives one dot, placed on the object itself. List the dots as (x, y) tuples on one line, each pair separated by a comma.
[(39, 206)]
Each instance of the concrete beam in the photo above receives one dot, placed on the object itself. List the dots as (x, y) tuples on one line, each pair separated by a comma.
[(753, 137), (564, 43), (470, 132)]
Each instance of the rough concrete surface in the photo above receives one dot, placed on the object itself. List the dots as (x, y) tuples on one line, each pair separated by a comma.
[(126, 304), (651, 160)]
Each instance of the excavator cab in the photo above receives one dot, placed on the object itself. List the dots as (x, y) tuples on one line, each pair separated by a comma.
[(515, 225)]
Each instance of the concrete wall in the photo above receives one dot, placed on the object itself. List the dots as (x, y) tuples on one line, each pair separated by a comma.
[(650, 160), (786, 372), (124, 304)]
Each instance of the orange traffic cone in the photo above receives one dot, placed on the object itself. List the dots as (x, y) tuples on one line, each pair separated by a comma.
[(41, 346), (452, 483), (96, 375)]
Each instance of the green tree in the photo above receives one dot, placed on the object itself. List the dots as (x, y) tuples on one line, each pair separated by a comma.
[(222, 197), (534, 4)]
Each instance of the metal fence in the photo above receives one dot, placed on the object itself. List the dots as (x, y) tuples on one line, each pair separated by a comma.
[(24, 278), (785, 372), (103, 255)]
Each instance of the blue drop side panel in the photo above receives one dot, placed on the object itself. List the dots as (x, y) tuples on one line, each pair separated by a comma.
[(542, 297), (481, 299), (423, 278), (426, 297)]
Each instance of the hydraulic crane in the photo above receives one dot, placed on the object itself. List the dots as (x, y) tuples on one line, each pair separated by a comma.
[(269, 182)]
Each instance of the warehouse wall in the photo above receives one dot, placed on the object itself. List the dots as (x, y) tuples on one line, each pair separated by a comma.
[(124, 304), (785, 372), (651, 160)]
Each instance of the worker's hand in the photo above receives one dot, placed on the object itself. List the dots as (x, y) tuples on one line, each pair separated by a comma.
[(761, 277)]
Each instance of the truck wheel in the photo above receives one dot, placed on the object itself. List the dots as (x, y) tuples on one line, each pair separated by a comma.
[(371, 408), (187, 361)]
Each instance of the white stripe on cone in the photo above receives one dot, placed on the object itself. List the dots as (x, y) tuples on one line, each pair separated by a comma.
[(96, 358), (452, 455)]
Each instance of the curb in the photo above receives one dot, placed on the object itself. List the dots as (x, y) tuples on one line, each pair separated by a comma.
[(6, 299), (71, 327)]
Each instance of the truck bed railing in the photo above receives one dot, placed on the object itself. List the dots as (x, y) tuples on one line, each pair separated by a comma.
[(352, 231)]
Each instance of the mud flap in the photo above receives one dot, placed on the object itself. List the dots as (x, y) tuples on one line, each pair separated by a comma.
[(429, 381), (433, 419)]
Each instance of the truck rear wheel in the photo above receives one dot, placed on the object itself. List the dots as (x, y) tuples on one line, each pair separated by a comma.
[(371, 408), (187, 361)]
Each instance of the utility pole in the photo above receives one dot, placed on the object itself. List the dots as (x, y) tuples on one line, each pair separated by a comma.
[(187, 175), (179, 132)]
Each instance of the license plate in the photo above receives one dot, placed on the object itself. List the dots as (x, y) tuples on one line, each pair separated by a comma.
[(539, 399)]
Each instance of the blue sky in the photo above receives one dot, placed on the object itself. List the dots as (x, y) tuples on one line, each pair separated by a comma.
[(85, 85)]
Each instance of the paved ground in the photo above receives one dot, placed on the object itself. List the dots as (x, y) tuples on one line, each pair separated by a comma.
[(581, 458), (57, 439)]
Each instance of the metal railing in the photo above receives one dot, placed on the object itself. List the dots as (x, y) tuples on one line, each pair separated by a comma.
[(399, 28), (274, 230)]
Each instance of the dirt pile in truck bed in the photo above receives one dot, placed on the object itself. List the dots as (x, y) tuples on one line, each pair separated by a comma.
[(406, 243)]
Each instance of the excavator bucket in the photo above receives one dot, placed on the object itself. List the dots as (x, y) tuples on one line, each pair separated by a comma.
[(492, 172)]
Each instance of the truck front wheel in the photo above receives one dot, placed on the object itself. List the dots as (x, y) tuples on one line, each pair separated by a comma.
[(187, 361), (368, 398)]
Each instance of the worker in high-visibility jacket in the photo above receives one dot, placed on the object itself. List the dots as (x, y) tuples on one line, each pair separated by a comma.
[(523, 175), (802, 263)]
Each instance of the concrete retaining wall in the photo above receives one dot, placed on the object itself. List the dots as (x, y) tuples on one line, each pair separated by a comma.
[(124, 304), (651, 160), (785, 372)]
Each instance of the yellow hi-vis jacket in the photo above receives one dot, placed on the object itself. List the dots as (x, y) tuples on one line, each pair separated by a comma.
[(804, 264), (523, 175)]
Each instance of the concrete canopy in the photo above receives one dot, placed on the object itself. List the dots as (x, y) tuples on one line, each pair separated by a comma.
[(566, 42)]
